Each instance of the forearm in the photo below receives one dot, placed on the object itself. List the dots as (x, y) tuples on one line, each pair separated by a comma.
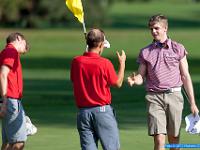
[(141, 73), (4, 71), (187, 83), (120, 74), (3, 84)]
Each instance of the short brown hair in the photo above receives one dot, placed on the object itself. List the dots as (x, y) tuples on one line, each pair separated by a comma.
[(158, 18), (94, 37), (14, 36)]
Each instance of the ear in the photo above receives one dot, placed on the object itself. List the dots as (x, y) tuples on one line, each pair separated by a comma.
[(166, 28), (18, 38), (101, 44)]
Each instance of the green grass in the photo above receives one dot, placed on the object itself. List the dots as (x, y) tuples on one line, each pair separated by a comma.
[(181, 15), (48, 96)]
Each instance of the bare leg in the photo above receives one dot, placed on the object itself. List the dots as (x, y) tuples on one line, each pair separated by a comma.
[(159, 142), (5, 146), (173, 140), (17, 146)]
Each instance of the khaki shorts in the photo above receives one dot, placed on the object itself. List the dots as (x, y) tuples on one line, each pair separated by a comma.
[(164, 113)]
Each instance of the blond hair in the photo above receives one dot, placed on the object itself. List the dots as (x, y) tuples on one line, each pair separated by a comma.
[(158, 19)]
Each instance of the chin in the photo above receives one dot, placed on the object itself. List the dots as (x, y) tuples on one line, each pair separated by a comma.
[(157, 39)]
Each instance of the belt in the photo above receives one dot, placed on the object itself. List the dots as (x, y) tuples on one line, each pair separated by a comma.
[(172, 90), (98, 108), (13, 97)]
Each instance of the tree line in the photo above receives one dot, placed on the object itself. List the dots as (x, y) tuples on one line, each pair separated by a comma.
[(52, 13)]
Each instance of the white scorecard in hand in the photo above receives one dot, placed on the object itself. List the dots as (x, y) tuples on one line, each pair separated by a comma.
[(192, 124)]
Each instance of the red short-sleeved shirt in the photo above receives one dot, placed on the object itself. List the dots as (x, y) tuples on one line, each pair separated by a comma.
[(92, 76), (11, 58)]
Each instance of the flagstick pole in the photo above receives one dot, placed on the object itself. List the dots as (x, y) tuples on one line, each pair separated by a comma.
[(85, 34), (84, 29)]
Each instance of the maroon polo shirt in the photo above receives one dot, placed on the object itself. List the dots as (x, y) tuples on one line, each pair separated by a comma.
[(163, 65), (92, 76)]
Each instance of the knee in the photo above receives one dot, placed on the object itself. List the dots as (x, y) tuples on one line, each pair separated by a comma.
[(159, 140), (18, 146), (173, 140)]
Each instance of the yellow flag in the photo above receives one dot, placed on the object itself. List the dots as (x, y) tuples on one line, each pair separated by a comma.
[(75, 6)]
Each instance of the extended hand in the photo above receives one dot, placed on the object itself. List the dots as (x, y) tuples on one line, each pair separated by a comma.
[(122, 57), (194, 109), (131, 79)]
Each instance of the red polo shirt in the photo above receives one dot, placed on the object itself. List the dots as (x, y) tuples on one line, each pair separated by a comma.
[(11, 58), (92, 76)]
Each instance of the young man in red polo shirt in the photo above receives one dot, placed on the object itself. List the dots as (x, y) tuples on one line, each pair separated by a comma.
[(92, 77), (13, 122), (164, 65)]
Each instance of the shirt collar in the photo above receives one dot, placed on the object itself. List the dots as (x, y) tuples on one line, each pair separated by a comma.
[(9, 45), (165, 45), (91, 54)]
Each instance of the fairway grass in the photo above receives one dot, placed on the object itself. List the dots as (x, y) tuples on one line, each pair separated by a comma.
[(48, 95)]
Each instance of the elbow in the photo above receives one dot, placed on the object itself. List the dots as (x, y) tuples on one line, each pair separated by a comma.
[(3, 76), (185, 78), (118, 84)]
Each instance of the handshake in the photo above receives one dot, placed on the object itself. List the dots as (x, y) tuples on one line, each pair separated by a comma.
[(135, 79)]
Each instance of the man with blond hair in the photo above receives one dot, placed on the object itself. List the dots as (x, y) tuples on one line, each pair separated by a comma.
[(163, 64)]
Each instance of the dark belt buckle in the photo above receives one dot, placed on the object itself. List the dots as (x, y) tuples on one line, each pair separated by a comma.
[(168, 91)]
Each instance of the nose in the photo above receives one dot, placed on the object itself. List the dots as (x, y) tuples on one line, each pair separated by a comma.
[(153, 30)]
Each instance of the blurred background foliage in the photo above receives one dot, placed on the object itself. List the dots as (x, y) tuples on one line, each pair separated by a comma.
[(45, 13)]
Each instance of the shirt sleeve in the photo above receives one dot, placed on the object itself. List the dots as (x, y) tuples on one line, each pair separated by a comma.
[(9, 58), (183, 52), (111, 74), (140, 58), (179, 49)]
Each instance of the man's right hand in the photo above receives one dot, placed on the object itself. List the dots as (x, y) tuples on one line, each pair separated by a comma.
[(135, 79), (131, 79)]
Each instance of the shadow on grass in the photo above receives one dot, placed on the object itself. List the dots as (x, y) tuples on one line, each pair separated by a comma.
[(51, 103), (141, 21), (64, 63)]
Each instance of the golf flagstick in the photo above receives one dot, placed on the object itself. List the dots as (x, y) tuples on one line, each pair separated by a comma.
[(84, 29), (76, 7)]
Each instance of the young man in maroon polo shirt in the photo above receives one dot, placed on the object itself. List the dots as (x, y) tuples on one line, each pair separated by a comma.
[(13, 117), (163, 64), (92, 77)]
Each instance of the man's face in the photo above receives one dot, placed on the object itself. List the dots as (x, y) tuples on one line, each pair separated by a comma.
[(158, 31), (22, 45)]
